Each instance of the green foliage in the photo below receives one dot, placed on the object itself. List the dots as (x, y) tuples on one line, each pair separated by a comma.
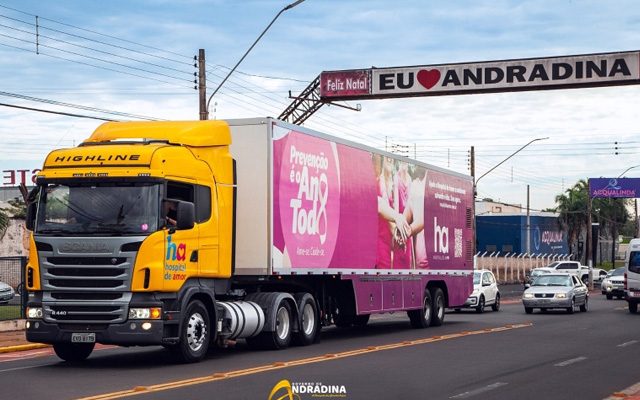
[(4, 222), (572, 205), (17, 209)]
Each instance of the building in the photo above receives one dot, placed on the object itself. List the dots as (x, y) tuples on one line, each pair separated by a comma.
[(507, 233)]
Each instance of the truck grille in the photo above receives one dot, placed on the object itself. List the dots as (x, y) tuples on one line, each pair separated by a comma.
[(86, 287)]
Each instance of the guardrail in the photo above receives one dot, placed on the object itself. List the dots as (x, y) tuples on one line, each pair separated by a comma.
[(512, 267), (12, 302)]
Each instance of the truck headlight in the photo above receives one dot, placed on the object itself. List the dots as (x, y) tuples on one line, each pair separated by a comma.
[(528, 296), (145, 313), (561, 295), (34, 312)]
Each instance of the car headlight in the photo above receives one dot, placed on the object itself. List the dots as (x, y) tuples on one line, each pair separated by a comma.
[(561, 295), (145, 313), (34, 312), (528, 296)]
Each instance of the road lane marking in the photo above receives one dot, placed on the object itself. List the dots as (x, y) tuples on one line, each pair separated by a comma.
[(569, 362), (218, 376), (471, 393), (625, 344)]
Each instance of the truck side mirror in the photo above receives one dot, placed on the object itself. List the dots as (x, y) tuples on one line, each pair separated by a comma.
[(31, 216), (186, 215)]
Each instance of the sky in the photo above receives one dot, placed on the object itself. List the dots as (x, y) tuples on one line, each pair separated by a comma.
[(134, 59)]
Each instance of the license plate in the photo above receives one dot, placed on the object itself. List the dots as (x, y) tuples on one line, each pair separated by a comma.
[(83, 338)]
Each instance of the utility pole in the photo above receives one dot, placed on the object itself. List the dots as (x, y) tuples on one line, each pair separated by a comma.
[(472, 163), (202, 86), (637, 220), (472, 170), (528, 247), (589, 242)]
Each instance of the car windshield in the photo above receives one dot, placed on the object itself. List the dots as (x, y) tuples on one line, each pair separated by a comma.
[(104, 208), (552, 280), (617, 272), (476, 278)]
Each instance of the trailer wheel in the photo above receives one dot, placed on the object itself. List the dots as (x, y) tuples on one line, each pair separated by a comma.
[(361, 321), (73, 352), (633, 307), (437, 317), (309, 328), (421, 318), (281, 335), (194, 334)]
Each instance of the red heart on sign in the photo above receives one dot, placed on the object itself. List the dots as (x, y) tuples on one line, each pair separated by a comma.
[(428, 77)]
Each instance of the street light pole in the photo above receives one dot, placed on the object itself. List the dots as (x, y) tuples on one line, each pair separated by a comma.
[(503, 161), (288, 7), (475, 181), (627, 170)]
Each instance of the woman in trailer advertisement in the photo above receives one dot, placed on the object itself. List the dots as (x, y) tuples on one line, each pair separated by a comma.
[(337, 206)]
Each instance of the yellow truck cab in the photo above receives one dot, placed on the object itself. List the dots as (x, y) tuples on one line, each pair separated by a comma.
[(104, 251)]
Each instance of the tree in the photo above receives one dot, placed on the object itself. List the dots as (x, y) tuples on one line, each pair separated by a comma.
[(4, 222), (611, 214), (572, 207)]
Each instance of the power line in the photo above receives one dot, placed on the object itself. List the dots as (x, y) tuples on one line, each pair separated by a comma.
[(105, 35), (94, 58), (55, 112), (97, 66), (90, 48), (81, 107)]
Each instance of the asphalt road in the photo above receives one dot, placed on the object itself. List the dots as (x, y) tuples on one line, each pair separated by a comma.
[(495, 355)]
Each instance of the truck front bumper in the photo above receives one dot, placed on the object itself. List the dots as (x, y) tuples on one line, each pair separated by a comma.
[(130, 333)]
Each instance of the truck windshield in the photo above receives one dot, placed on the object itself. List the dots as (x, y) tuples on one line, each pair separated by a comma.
[(104, 208)]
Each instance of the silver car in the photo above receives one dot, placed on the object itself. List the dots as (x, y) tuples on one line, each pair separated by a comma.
[(556, 291), (6, 293), (613, 284)]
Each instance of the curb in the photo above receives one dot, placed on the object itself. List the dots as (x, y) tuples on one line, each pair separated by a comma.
[(23, 347)]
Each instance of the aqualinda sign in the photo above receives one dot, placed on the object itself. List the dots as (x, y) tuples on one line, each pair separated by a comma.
[(493, 76), (614, 187)]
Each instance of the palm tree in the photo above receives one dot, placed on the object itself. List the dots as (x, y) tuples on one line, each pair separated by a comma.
[(612, 214), (572, 207)]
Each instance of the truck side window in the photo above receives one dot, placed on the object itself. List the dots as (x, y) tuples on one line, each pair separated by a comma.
[(203, 203), (199, 195)]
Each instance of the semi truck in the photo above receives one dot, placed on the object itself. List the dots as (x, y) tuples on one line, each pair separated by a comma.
[(191, 234)]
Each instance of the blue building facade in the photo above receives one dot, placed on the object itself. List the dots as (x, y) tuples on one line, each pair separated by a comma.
[(508, 234)]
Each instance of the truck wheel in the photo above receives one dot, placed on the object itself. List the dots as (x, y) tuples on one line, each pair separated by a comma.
[(73, 352), (421, 318), (194, 334), (437, 317), (496, 304), (309, 321), (585, 306), (573, 305), (633, 307), (480, 308), (281, 335), (528, 310), (609, 296), (361, 321)]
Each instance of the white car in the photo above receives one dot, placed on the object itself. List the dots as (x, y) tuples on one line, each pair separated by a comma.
[(485, 292), (6, 293)]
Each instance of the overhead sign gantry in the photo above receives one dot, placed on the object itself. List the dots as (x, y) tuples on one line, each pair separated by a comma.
[(579, 71)]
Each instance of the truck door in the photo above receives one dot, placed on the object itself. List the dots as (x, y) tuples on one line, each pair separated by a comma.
[(181, 246)]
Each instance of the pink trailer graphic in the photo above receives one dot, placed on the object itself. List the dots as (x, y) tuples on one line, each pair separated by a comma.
[(386, 223)]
